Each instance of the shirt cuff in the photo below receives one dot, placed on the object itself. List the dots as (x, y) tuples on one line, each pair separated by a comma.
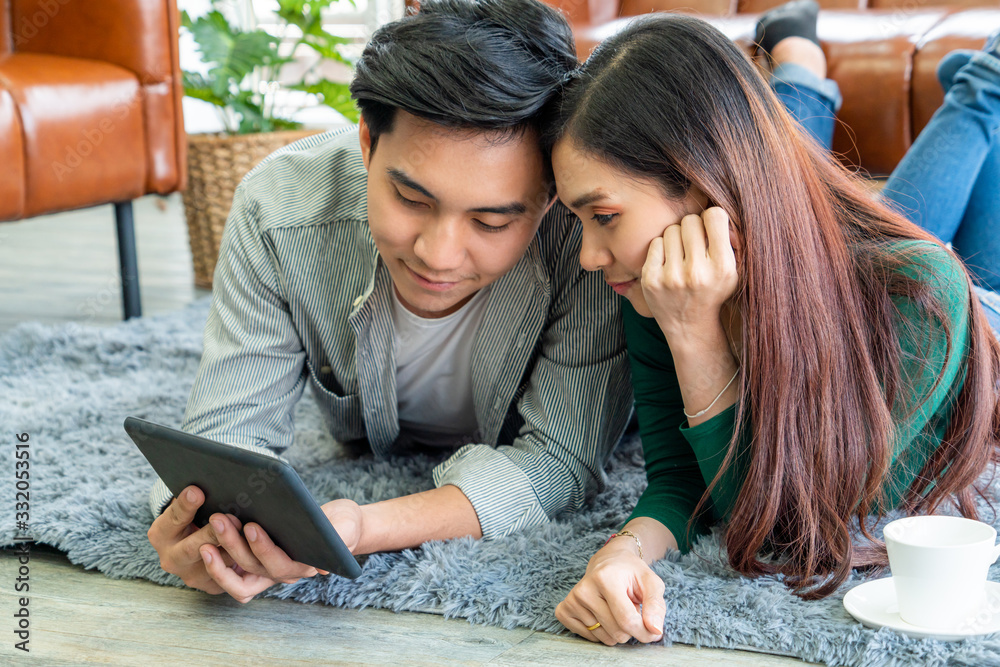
[(499, 490), (160, 496)]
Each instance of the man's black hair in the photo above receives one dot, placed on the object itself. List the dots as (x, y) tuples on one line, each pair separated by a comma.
[(490, 65)]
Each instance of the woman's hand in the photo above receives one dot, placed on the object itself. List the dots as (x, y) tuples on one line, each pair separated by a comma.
[(616, 583), (689, 273)]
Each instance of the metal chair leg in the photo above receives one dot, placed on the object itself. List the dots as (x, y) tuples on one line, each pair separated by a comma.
[(127, 258)]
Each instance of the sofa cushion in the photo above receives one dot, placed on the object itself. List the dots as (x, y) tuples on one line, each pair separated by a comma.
[(82, 129), (870, 56), (757, 6), (131, 34), (6, 36), (703, 7), (961, 30), (12, 150)]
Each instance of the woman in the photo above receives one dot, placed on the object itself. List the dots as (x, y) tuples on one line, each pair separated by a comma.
[(803, 356)]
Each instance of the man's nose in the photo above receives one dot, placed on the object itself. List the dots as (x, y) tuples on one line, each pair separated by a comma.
[(441, 246)]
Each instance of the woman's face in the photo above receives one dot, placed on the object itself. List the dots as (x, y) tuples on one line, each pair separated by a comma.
[(620, 216)]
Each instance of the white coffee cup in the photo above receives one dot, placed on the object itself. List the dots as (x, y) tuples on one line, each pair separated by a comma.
[(939, 566)]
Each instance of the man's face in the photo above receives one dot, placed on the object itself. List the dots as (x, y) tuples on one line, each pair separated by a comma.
[(451, 211)]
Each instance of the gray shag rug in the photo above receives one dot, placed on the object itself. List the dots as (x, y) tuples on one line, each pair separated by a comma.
[(71, 386)]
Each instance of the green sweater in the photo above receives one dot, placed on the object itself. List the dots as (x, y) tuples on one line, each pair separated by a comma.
[(682, 461)]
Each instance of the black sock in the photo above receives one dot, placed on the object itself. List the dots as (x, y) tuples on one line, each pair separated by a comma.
[(795, 19)]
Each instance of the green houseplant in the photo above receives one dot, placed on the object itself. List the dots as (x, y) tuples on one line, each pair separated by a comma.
[(256, 80)]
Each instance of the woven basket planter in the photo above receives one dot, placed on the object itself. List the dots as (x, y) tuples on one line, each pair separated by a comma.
[(216, 165)]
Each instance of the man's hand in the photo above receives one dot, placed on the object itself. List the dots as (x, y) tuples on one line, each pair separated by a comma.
[(347, 519), (616, 583), (226, 556), (219, 558), (178, 541)]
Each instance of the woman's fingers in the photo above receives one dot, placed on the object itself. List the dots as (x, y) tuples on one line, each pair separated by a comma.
[(673, 254), (585, 606), (653, 267), (582, 628), (628, 619), (694, 239), (654, 608), (720, 247)]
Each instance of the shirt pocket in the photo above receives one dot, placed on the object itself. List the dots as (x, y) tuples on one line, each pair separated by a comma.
[(341, 412)]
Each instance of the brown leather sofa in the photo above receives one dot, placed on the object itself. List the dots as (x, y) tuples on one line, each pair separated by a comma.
[(882, 53), (90, 111)]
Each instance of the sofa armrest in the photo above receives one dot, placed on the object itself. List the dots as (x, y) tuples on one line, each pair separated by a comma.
[(137, 35)]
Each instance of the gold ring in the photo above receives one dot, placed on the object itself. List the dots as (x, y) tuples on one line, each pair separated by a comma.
[(594, 626)]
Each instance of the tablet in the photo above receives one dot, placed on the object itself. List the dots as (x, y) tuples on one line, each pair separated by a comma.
[(250, 486)]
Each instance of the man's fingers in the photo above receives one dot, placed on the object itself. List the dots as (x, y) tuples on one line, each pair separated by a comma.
[(174, 521), (242, 587), (186, 552), (230, 539), (279, 566)]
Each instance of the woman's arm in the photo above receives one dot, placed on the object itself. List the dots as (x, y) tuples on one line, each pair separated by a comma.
[(682, 360)]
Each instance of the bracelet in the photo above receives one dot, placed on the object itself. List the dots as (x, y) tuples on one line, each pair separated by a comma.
[(626, 533), (699, 414)]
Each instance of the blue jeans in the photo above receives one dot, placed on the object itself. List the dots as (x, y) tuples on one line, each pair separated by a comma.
[(949, 180)]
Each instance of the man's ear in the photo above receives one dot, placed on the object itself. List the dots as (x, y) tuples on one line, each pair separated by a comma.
[(365, 136)]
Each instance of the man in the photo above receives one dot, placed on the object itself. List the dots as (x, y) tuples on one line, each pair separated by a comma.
[(404, 270)]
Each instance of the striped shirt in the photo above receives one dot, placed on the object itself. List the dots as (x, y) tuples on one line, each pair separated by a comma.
[(301, 296)]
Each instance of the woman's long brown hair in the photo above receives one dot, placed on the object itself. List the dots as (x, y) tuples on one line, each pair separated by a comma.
[(672, 99)]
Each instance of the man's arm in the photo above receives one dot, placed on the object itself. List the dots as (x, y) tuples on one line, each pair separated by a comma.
[(403, 523), (249, 378), (250, 375)]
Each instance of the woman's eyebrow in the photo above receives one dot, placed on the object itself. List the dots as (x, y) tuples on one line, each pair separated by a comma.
[(589, 198)]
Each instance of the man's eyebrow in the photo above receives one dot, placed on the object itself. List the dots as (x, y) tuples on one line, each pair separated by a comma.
[(514, 208), (590, 198), (400, 177)]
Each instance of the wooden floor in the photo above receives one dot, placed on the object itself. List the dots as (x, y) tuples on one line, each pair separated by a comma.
[(59, 268), (64, 268)]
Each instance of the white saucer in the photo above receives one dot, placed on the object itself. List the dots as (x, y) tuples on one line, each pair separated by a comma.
[(874, 604)]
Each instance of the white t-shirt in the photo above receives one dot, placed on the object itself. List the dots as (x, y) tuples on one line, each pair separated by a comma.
[(434, 373)]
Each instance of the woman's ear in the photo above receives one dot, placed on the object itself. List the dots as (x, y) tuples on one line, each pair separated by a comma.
[(696, 201), (736, 240)]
